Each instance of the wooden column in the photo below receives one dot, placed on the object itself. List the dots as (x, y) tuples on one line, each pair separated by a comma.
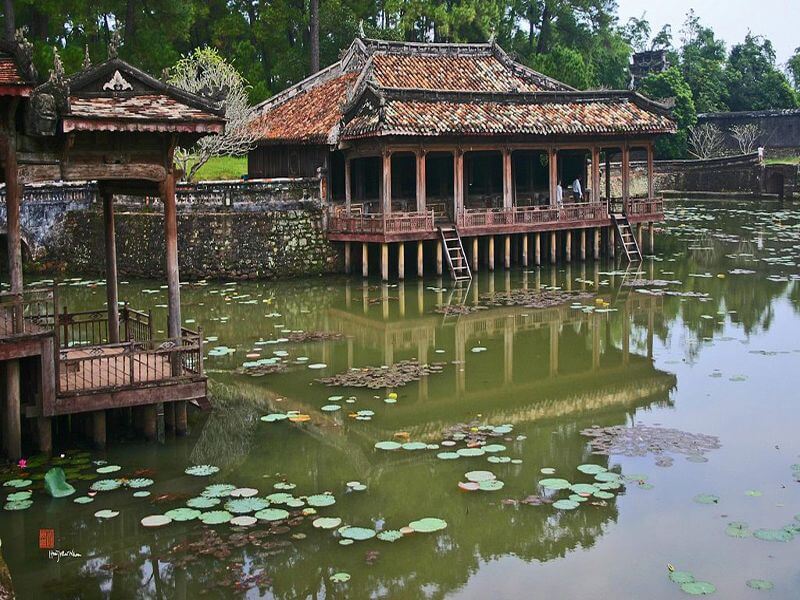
[(13, 423), (458, 182), (364, 259), (639, 235), (401, 261), (149, 419), (553, 252), (491, 253), (612, 241), (171, 239), (626, 181), (507, 252), (508, 181), (608, 177), (347, 265), (385, 262), (420, 258), (524, 249), (537, 248), (651, 193), (421, 191), (583, 244), (438, 257), (596, 243), (595, 174), (348, 192), (112, 295), (568, 245), (651, 236), (99, 428), (386, 189), (552, 162), (475, 264)]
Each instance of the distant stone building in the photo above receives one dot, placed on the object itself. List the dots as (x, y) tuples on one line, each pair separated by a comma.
[(647, 63), (780, 129)]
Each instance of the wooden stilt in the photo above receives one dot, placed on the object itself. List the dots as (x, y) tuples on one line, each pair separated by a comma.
[(583, 244), (568, 245), (524, 249), (181, 417), (112, 302), (553, 244), (420, 257), (45, 435), (99, 429), (491, 253), (507, 253), (347, 265), (651, 236), (474, 255), (149, 425), (537, 248), (169, 416), (385, 262), (639, 234), (597, 243), (401, 260), (13, 422), (612, 242), (364, 259), (171, 239), (438, 257)]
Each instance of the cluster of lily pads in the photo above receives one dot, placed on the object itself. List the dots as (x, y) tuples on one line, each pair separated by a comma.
[(739, 529), (397, 375), (596, 493), (690, 585)]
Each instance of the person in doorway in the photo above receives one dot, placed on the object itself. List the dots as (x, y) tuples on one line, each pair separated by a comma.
[(577, 192), (559, 194)]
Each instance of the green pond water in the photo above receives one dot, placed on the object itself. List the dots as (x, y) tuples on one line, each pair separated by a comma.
[(716, 351)]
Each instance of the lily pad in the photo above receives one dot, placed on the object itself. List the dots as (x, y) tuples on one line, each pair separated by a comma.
[(106, 514), (738, 529), (156, 521), (141, 494), (356, 533), (698, 588), (428, 525), (245, 492), (83, 500), (108, 469), (340, 577), (494, 448), (471, 451), (218, 490), (272, 514), (139, 482), (17, 483), (607, 476), (19, 496), (773, 535), (590, 469), (479, 476), (105, 485), (681, 577), (566, 504), (281, 485), (215, 517), (389, 535), (603, 495), (202, 502), (388, 445), (547, 470), (326, 522), (554, 483), (584, 488), (245, 505), (706, 499), (201, 470), (320, 500), (19, 505), (760, 584), (244, 521), (491, 485), (183, 514), (331, 408), (274, 417), (448, 455), (55, 483)]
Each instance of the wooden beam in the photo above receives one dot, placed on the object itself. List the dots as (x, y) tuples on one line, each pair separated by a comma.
[(420, 258), (13, 433), (112, 296), (347, 264), (626, 176), (552, 163), (83, 171), (508, 182), (401, 261), (348, 184), (386, 196), (385, 262), (420, 172)]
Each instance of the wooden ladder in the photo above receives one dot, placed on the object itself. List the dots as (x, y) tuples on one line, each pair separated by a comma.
[(454, 251), (626, 236)]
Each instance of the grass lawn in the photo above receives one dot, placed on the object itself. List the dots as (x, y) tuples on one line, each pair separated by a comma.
[(222, 167), (783, 160)]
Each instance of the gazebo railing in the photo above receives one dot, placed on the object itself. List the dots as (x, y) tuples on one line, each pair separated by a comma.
[(401, 222), (531, 215), (28, 312), (90, 327), (645, 206)]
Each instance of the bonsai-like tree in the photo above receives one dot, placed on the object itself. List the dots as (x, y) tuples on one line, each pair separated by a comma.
[(705, 141), (206, 73), (746, 136)]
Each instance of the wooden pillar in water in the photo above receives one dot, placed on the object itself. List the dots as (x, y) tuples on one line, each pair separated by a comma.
[(13, 419), (612, 242), (524, 249), (507, 252), (421, 191), (99, 428), (475, 255), (583, 244), (639, 235), (626, 176), (438, 257), (364, 259), (553, 245), (171, 239), (347, 264), (508, 182), (491, 253), (149, 422), (651, 237), (348, 192), (112, 295), (537, 248), (384, 261), (568, 245), (386, 188), (401, 260), (420, 257), (596, 243)]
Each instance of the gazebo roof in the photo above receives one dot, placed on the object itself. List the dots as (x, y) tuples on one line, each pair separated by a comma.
[(16, 71), (385, 88)]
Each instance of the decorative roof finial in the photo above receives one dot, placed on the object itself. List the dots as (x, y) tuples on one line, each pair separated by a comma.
[(114, 44), (87, 60), (57, 72), (361, 29)]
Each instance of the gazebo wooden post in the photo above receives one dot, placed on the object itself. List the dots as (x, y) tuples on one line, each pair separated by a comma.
[(608, 178), (595, 174), (13, 422), (626, 181), (386, 187), (348, 192), (650, 173), (458, 183), (112, 299), (420, 172), (508, 183), (552, 163)]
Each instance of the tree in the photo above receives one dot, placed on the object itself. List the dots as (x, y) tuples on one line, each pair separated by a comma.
[(204, 71), (702, 63), (746, 136), (314, 33), (706, 141), (793, 66), (670, 84), (754, 83)]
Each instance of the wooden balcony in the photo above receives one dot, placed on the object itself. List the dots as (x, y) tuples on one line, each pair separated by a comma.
[(394, 227), (523, 219), (82, 371)]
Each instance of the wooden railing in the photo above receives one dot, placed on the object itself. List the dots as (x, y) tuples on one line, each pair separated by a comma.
[(531, 215), (645, 206), (28, 312), (405, 222), (90, 327), (131, 363)]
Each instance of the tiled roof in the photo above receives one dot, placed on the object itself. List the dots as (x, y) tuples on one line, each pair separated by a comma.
[(9, 73), (400, 117), (137, 112), (308, 116), (448, 72)]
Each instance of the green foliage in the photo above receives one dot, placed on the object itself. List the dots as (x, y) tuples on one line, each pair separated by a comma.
[(671, 84), (793, 66), (565, 64), (703, 66), (222, 167), (754, 83)]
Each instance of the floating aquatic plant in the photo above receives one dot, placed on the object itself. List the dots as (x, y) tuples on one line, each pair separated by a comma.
[(274, 417), (245, 505), (202, 502), (356, 533), (340, 577), (320, 500), (272, 514), (106, 514), (105, 485), (218, 490), (388, 445), (428, 525), (760, 584), (327, 522), (215, 517), (202, 470), (706, 499), (478, 476), (389, 535), (183, 514), (554, 483), (773, 535), (139, 482), (566, 504), (698, 588)]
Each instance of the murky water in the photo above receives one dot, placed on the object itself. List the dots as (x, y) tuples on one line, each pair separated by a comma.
[(716, 351)]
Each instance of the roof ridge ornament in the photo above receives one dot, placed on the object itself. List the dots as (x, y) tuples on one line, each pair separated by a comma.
[(114, 44), (117, 83), (87, 60)]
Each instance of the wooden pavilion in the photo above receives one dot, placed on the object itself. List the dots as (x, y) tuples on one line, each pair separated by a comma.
[(438, 143), (119, 126)]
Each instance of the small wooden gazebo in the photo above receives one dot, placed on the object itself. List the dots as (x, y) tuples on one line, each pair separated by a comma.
[(117, 125)]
